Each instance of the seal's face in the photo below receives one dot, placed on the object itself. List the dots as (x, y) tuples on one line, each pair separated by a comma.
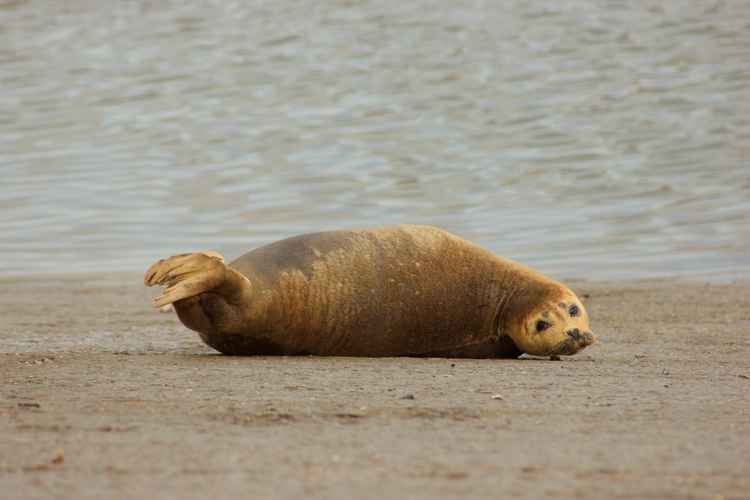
[(555, 327)]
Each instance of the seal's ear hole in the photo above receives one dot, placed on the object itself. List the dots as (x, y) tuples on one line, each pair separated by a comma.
[(542, 325), (573, 311)]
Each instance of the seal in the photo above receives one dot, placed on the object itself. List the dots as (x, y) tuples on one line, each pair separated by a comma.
[(392, 291)]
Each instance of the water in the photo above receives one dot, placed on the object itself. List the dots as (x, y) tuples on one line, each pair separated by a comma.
[(590, 139)]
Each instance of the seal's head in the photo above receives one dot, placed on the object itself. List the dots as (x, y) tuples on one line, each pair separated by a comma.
[(556, 325)]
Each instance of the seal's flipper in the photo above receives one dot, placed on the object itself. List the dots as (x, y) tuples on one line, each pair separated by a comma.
[(188, 275)]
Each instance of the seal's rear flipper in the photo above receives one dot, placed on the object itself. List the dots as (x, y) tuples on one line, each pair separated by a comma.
[(188, 275)]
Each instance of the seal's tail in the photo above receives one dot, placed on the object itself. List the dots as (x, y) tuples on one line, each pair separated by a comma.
[(185, 276)]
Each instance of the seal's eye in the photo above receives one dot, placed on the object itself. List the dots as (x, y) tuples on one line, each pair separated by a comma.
[(573, 310), (542, 325)]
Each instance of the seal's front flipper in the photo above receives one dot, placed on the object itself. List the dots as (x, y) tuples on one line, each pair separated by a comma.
[(189, 275)]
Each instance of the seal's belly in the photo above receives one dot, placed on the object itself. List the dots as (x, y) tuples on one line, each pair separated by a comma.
[(354, 294)]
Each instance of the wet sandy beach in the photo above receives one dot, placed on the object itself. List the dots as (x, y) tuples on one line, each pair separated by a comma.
[(103, 398)]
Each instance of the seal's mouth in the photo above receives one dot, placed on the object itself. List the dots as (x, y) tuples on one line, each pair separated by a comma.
[(575, 342)]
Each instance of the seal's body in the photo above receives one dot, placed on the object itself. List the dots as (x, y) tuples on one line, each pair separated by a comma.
[(393, 291)]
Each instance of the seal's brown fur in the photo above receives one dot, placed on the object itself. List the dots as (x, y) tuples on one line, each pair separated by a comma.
[(393, 291)]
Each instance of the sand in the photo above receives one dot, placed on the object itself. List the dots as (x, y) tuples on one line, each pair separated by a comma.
[(101, 397)]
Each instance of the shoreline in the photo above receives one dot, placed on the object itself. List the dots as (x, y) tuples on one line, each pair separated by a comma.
[(104, 397), (712, 277)]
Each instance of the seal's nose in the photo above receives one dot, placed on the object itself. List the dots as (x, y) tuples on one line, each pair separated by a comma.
[(575, 334)]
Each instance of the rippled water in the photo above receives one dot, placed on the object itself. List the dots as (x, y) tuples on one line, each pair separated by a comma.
[(599, 139)]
